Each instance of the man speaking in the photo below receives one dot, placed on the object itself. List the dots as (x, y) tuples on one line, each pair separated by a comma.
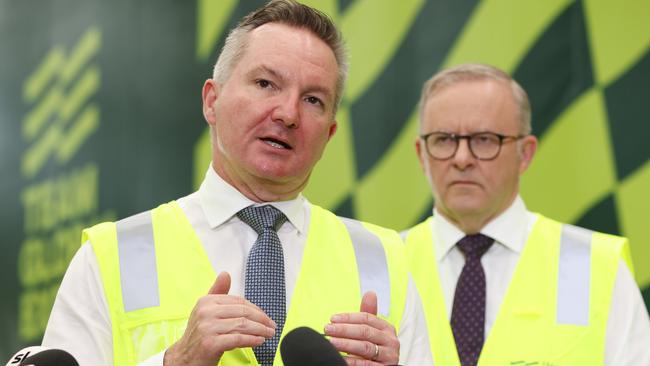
[(143, 289)]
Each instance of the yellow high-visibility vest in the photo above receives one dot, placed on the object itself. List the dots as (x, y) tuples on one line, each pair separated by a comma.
[(556, 307), (151, 286)]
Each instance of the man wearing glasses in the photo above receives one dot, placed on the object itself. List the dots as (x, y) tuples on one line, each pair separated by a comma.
[(501, 285)]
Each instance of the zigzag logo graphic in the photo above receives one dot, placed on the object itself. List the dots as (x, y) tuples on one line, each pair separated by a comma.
[(62, 114)]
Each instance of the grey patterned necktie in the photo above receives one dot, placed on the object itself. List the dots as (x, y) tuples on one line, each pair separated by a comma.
[(468, 314), (264, 285)]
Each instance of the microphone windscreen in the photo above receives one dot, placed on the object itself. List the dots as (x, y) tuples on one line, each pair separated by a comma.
[(304, 346), (50, 357), (19, 356)]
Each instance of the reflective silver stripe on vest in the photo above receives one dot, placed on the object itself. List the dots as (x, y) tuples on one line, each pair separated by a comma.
[(371, 263), (574, 276), (137, 255)]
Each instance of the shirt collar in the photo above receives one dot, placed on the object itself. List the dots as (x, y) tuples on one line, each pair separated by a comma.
[(509, 229), (220, 202)]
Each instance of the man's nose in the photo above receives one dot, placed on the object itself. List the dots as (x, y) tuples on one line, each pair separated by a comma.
[(287, 110), (463, 157)]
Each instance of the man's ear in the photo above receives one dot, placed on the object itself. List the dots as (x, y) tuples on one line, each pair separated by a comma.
[(209, 95), (332, 130), (527, 152), (420, 149)]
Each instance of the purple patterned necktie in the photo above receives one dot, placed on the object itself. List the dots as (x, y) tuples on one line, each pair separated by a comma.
[(264, 285), (468, 314)]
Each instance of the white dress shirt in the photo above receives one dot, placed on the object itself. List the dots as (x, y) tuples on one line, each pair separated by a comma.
[(80, 322), (628, 328)]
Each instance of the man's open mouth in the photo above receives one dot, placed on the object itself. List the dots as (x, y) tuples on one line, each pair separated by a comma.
[(276, 143)]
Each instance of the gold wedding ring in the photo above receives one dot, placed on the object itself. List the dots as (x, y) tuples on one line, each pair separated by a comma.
[(376, 355)]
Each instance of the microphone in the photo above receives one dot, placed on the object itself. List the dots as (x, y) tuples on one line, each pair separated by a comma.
[(41, 356), (16, 359), (304, 346)]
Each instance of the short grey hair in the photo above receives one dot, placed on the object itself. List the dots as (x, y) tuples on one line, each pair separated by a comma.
[(288, 12), (473, 72)]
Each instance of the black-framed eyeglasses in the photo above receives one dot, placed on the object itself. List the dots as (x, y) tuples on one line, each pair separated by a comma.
[(482, 145)]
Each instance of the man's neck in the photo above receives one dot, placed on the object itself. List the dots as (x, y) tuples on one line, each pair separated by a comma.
[(260, 190), (469, 225), (474, 223)]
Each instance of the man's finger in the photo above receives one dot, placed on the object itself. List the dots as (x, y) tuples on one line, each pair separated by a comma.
[(227, 300), (359, 332), (369, 303), (365, 351), (361, 318), (241, 326), (239, 311), (221, 285), (232, 341)]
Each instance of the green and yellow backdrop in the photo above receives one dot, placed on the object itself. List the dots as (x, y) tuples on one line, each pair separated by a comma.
[(100, 117)]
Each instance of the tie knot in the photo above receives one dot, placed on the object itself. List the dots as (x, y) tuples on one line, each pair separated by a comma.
[(474, 246), (262, 217)]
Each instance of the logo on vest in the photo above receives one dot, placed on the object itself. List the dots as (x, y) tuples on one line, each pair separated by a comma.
[(533, 363)]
